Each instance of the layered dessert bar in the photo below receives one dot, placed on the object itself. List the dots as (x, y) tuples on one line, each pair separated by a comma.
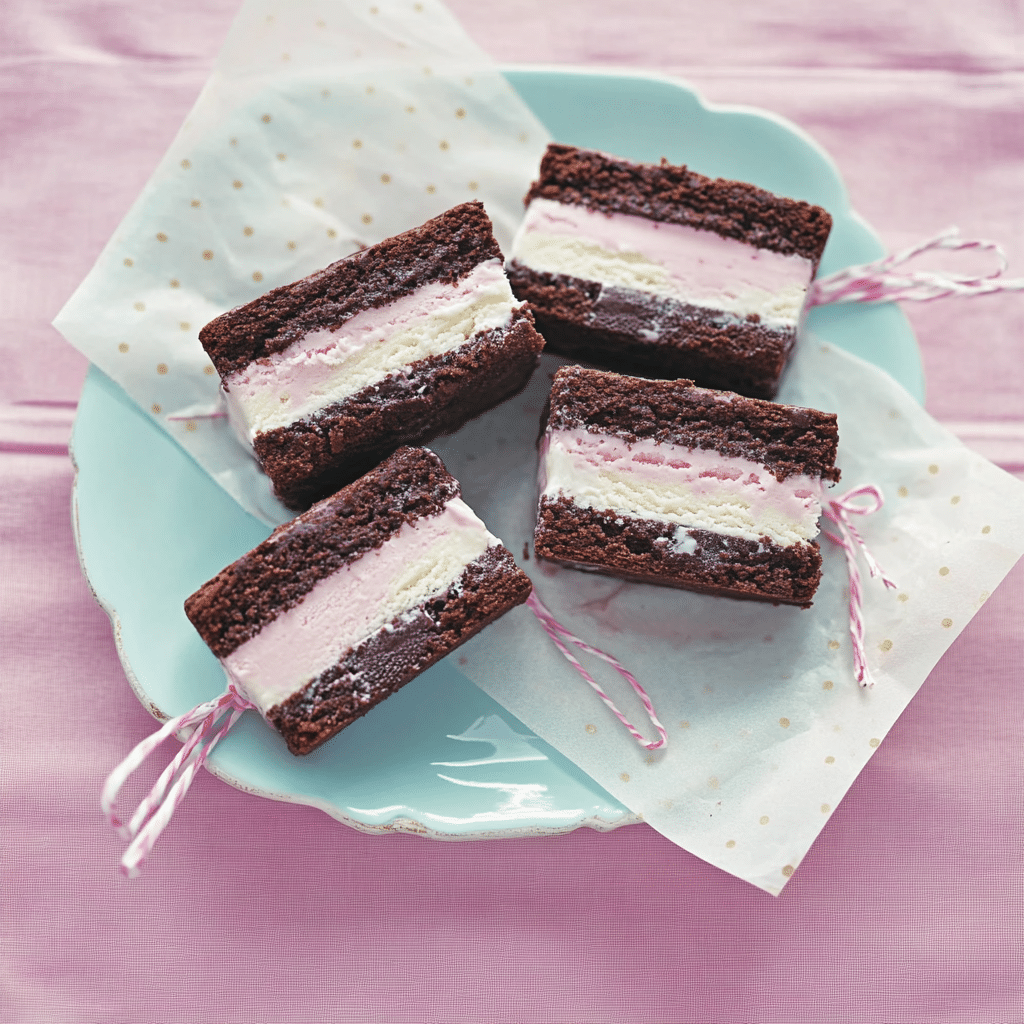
[(342, 606), (393, 345), (668, 483), (658, 271)]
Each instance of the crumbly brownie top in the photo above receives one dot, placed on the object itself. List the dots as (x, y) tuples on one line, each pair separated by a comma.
[(443, 250), (787, 439), (276, 575), (665, 192)]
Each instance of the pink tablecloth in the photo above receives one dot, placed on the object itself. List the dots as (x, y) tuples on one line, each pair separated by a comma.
[(908, 909)]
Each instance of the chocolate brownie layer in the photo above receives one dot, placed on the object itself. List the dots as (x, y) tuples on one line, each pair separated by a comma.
[(646, 335), (313, 457), (442, 251), (665, 192), (786, 439), (640, 550), (368, 674), (241, 599)]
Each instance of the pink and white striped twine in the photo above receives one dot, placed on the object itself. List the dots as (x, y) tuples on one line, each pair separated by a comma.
[(559, 634), (839, 510), (210, 723), (879, 281)]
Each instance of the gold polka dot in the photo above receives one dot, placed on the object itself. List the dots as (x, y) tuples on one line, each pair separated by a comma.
[(933, 469), (156, 408), (282, 156), (208, 370), (234, 142), (460, 112), (955, 500), (367, 218), (443, 144), (236, 183), (417, 7), (247, 231), (431, 189), (730, 844), (473, 186), (944, 571), (903, 597), (713, 782), (207, 254), (764, 819), (175, 283), (984, 596), (331, 233), (827, 685), (788, 870), (140, 306), (161, 237), (624, 776), (373, 10), (190, 426), (184, 325), (161, 368), (186, 164), (325, 93), (946, 623), (357, 143), (291, 245), (833, 645), (468, 81), (196, 204), (986, 529), (825, 808), (123, 347), (369, 90), (265, 119), (830, 759), (784, 722), (257, 276), (874, 742), (321, 23), (885, 645), (128, 261), (591, 729), (684, 724), (286, 56), (427, 70), (386, 178), (903, 492)]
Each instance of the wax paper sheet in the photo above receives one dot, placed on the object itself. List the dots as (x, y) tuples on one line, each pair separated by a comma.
[(325, 126), (767, 727), (328, 126)]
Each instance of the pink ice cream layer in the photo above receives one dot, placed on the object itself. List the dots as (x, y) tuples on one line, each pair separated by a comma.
[(331, 364), (689, 487), (423, 559), (702, 264)]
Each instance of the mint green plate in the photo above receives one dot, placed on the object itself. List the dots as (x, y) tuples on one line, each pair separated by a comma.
[(440, 757)]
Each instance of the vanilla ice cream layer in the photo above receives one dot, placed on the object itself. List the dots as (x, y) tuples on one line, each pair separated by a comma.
[(328, 366), (674, 261), (689, 488), (421, 561)]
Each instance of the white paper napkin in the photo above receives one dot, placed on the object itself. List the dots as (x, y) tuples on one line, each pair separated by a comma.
[(325, 126), (767, 727)]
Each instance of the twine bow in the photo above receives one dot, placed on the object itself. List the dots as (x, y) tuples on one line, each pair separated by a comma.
[(559, 634), (839, 510), (210, 723), (880, 281)]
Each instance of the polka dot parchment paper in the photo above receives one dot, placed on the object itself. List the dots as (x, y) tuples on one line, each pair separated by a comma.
[(767, 727), (324, 127), (328, 126)]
